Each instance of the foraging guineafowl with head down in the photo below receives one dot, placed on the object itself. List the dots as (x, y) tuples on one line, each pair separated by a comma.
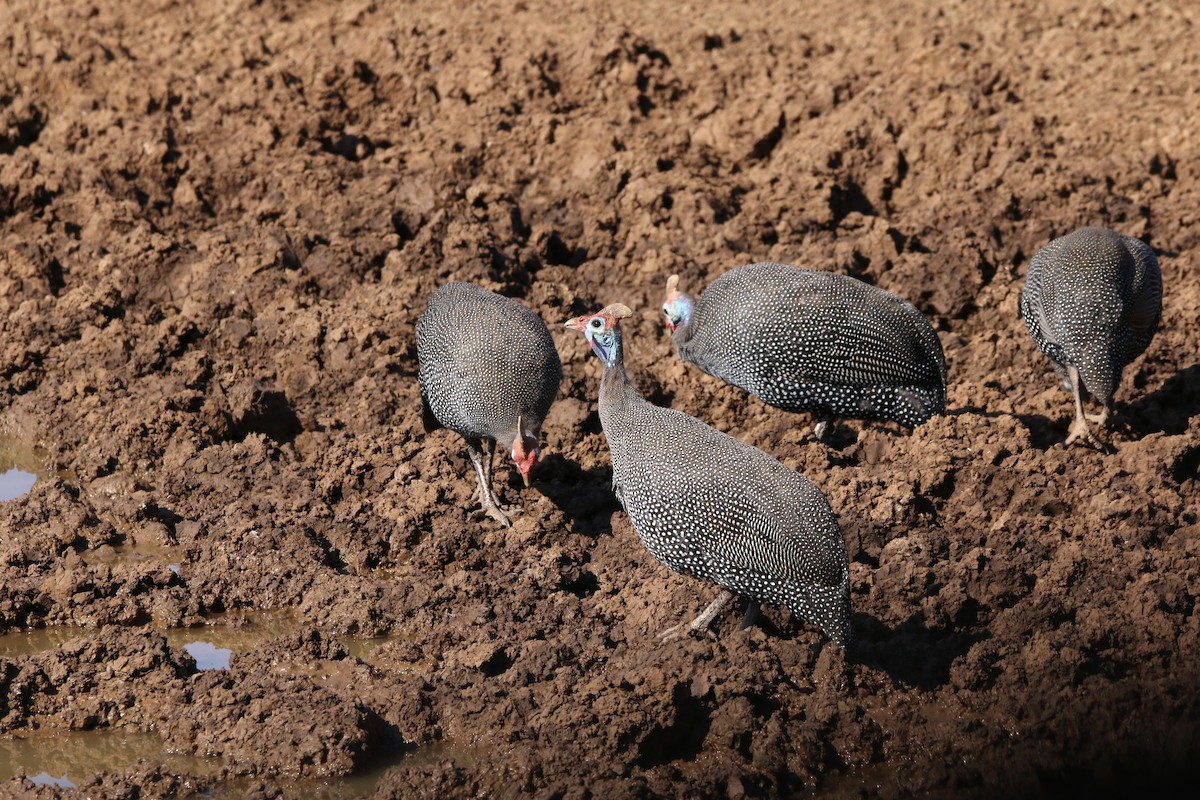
[(1092, 301), (709, 505), (489, 371), (808, 340)]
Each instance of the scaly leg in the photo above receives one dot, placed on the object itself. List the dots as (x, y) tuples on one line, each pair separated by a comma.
[(701, 622), (1101, 419), (481, 452), (1079, 427)]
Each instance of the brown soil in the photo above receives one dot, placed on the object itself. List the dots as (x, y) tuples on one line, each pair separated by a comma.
[(220, 220)]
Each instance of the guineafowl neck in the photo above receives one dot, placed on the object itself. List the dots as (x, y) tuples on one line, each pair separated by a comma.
[(683, 330), (682, 334), (615, 385)]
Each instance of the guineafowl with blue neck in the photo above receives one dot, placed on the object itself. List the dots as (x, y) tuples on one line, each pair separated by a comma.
[(808, 340), (709, 505)]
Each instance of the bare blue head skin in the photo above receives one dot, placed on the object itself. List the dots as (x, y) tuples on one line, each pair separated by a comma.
[(678, 306), (602, 330)]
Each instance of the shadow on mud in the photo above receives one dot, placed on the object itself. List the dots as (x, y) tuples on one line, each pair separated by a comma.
[(911, 653), (1044, 432), (585, 497), (1165, 410), (1168, 408)]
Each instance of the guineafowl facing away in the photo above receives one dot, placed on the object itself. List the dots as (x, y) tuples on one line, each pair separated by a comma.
[(709, 505), (489, 371), (808, 340), (1092, 301)]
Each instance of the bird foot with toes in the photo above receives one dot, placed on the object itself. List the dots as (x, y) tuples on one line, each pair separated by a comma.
[(498, 513), (1081, 431)]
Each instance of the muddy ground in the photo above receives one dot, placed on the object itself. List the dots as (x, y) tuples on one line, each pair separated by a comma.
[(220, 220)]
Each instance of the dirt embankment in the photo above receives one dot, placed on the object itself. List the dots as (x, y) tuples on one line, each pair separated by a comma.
[(220, 220)]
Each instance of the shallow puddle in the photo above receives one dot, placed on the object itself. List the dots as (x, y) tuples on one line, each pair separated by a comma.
[(20, 467), (364, 783), (208, 655), (70, 758), (28, 641), (67, 758), (360, 784), (46, 779), (364, 649), (238, 632), (138, 552), (212, 644)]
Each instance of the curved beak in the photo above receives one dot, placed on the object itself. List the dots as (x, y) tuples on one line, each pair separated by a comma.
[(577, 323)]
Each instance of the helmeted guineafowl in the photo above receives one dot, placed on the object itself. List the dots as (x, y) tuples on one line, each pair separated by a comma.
[(489, 371), (1092, 301), (709, 505), (808, 340)]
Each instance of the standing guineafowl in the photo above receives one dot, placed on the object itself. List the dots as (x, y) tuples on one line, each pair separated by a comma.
[(1092, 301), (709, 505), (808, 340), (489, 371)]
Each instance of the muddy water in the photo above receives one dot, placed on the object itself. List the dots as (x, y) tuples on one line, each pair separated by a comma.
[(208, 655), (46, 779), (75, 755), (238, 632), (363, 784), (67, 759), (20, 467), (138, 551)]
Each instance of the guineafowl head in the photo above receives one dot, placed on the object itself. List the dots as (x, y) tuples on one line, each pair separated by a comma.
[(678, 306), (525, 449), (602, 330)]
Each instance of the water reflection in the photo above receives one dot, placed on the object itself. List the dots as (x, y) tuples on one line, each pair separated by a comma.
[(208, 655), (236, 632), (20, 467), (73, 756), (68, 758)]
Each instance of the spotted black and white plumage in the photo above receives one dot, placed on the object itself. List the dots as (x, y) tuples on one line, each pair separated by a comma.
[(1092, 301), (808, 340), (709, 505), (489, 370)]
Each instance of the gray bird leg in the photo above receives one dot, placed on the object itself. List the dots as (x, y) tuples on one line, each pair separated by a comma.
[(481, 452), (1079, 427), (701, 622)]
